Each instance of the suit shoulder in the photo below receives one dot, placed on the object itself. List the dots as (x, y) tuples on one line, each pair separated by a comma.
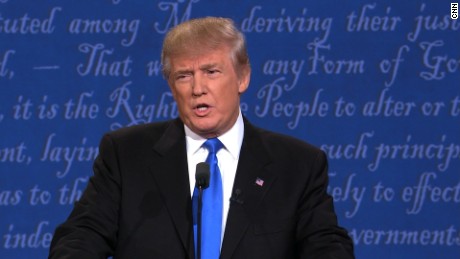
[(146, 133)]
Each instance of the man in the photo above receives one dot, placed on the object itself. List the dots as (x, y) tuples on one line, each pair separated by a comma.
[(138, 204)]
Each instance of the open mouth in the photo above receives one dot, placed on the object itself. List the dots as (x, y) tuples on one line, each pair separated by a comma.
[(202, 107)]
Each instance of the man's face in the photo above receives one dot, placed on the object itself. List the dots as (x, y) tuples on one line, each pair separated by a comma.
[(207, 91)]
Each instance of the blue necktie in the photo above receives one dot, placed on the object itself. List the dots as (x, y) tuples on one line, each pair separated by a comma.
[(211, 226)]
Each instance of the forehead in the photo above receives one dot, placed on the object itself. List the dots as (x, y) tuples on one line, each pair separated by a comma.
[(197, 58)]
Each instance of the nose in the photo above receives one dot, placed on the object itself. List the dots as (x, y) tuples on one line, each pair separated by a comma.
[(199, 85)]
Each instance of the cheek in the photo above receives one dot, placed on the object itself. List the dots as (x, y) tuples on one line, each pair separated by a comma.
[(180, 99), (229, 99), (179, 92)]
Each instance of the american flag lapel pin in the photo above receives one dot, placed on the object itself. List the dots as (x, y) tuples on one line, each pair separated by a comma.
[(259, 182)]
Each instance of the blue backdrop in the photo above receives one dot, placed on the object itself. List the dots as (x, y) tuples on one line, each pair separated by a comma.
[(375, 84)]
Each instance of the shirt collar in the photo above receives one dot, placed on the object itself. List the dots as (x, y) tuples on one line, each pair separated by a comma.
[(232, 139)]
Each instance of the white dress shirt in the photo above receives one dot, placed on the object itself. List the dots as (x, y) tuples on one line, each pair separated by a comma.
[(227, 160)]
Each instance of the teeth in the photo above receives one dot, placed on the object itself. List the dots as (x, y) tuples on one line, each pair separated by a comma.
[(202, 108)]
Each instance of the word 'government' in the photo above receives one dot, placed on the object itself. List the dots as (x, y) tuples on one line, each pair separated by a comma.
[(424, 237)]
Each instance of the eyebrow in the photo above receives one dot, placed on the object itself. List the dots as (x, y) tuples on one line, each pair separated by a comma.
[(190, 70), (182, 71), (208, 66)]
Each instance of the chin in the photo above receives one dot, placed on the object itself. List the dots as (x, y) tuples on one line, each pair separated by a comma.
[(204, 124), (207, 132)]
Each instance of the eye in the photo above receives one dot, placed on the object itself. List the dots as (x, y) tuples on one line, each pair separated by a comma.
[(182, 77), (213, 72)]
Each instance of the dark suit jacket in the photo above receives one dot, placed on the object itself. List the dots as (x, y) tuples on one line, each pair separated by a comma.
[(138, 204)]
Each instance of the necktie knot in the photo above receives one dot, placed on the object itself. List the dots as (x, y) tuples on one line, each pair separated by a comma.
[(213, 145)]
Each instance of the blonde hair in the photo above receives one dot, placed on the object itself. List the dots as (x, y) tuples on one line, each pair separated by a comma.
[(201, 34)]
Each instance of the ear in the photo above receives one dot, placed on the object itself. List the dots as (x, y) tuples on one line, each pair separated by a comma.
[(243, 83)]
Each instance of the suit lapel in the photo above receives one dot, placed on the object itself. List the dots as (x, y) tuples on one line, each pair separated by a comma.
[(170, 171), (253, 165)]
